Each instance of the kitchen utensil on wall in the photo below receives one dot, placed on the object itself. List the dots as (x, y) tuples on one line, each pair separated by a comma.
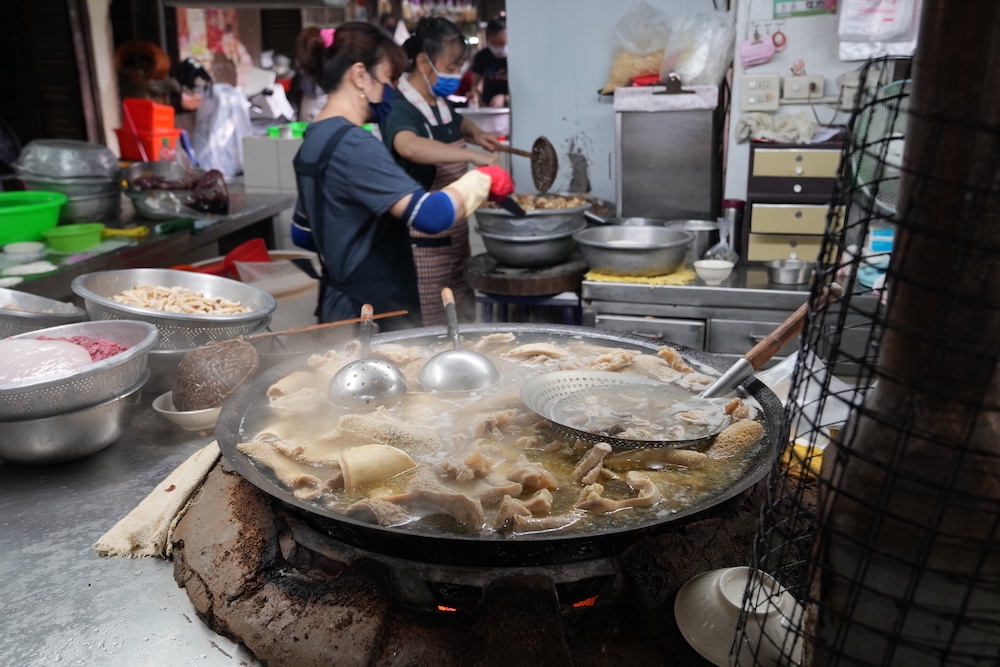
[(457, 369), (367, 381), (544, 162)]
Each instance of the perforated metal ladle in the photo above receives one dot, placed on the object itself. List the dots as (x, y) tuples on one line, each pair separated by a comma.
[(457, 369), (367, 382)]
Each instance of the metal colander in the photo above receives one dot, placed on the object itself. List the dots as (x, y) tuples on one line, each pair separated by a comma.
[(558, 395), (178, 331), (91, 384), (21, 312)]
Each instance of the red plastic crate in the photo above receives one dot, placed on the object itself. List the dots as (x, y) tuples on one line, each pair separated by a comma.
[(151, 141), (147, 115)]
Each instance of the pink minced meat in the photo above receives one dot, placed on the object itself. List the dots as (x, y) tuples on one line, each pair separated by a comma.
[(98, 348)]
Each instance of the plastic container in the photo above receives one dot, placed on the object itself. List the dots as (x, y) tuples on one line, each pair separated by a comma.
[(148, 116), (74, 238), (25, 215), (152, 141)]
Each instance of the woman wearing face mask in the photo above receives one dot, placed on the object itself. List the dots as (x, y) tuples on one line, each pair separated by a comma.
[(356, 205), (489, 67), (427, 137)]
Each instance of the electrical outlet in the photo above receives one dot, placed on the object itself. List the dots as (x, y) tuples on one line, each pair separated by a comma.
[(760, 92), (802, 87)]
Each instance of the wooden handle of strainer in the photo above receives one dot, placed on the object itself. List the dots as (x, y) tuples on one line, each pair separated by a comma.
[(790, 328), (514, 151), (324, 325)]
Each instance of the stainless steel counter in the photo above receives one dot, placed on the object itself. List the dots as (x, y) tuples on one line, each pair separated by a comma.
[(65, 605)]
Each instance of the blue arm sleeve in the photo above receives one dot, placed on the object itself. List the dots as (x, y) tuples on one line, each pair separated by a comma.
[(430, 212)]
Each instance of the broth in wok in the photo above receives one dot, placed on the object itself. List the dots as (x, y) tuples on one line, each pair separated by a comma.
[(482, 463)]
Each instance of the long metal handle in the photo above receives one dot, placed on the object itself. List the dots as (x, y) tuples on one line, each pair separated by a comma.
[(324, 325), (367, 324), (451, 315)]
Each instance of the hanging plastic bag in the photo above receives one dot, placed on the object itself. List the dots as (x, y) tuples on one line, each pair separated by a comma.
[(724, 248), (700, 48), (642, 36), (221, 123)]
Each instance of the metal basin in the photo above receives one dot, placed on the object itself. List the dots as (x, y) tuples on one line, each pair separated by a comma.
[(540, 222), (621, 250), (69, 435), (531, 251)]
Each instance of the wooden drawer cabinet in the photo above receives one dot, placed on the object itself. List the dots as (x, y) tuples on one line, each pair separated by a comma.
[(789, 190), (796, 162), (789, 218)]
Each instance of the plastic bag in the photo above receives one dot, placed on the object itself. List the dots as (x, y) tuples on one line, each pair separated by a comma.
[(642, 35), (878, 20), (700, 48), (221, 123), (724, 248)]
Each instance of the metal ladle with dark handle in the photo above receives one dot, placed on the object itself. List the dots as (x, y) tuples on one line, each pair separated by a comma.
[(367, 381), (458, 369)]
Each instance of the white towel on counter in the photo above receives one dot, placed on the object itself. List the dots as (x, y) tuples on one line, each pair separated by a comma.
[(146, 530)]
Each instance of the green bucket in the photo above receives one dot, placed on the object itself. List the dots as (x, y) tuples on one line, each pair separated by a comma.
[(24, 216)]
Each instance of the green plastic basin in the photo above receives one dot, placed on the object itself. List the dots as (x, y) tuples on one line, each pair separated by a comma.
[(24, 216)]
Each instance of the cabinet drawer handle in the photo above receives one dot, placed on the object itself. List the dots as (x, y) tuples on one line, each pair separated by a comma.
[(796, 188), (798, 170)]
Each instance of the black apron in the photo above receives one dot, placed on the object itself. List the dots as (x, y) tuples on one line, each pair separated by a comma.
[(386, 278)]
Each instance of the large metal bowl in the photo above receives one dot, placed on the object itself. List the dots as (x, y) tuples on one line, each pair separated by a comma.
[(178, 331), (157, 204), (540, 222), (70, 435), (531, 251), (92, 208), (89, 384), (21, 312), (621, 250), (67, 158)]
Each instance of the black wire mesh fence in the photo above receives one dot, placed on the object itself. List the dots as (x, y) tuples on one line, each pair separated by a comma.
[(880, 540)]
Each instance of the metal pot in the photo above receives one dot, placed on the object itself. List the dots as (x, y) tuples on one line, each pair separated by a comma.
[(489, 549), (705, 232), (539, 222), (92, 208), (620, 250), (531, 251), (789, 271)]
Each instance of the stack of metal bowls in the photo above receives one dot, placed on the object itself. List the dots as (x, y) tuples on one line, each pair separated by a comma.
[(544, 237), (179, 332), (87, 173), (64, 417), (21, 312)]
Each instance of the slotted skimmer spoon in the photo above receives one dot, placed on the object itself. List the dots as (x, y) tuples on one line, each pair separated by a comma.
[(544, 162), (457, 369), (608, 400), (367, 382)]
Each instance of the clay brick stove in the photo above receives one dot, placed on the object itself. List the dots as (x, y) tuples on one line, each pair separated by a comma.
[(261, 572)]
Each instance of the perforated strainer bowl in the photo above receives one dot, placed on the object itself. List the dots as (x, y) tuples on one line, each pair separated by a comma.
[(178, 331), (90, 384), (21, 312)]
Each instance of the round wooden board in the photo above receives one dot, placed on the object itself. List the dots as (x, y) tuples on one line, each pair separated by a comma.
[(483, 273)]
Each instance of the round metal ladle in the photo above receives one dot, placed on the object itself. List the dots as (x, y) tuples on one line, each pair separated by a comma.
[(457, 369), (544, 162), (367, 381)]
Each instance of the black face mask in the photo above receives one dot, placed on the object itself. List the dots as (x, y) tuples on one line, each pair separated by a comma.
[(381, 110)]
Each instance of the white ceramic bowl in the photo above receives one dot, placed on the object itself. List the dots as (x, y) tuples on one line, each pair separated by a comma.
[(713, 271), (707, 609), (193, 420)]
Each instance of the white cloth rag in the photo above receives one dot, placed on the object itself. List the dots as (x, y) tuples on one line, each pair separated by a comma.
[(147, 528), (795, 128)]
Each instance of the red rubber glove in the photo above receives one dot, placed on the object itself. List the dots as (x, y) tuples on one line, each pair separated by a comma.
[(502, 185)]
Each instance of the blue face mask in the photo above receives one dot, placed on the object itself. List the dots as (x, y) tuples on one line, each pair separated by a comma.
[(381, 110), (446, 84)]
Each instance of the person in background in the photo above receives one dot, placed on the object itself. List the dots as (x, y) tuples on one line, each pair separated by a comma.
[(356, 205), (388, 23), (427, 136), (489, 67), (313, 98)]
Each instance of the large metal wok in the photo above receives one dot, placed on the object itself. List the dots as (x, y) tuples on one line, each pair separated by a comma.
[(490, 549)]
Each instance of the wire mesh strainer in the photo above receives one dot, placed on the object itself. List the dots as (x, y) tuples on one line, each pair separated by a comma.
[(21, 312), (92, 383), (178, 331), (559, 397)]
